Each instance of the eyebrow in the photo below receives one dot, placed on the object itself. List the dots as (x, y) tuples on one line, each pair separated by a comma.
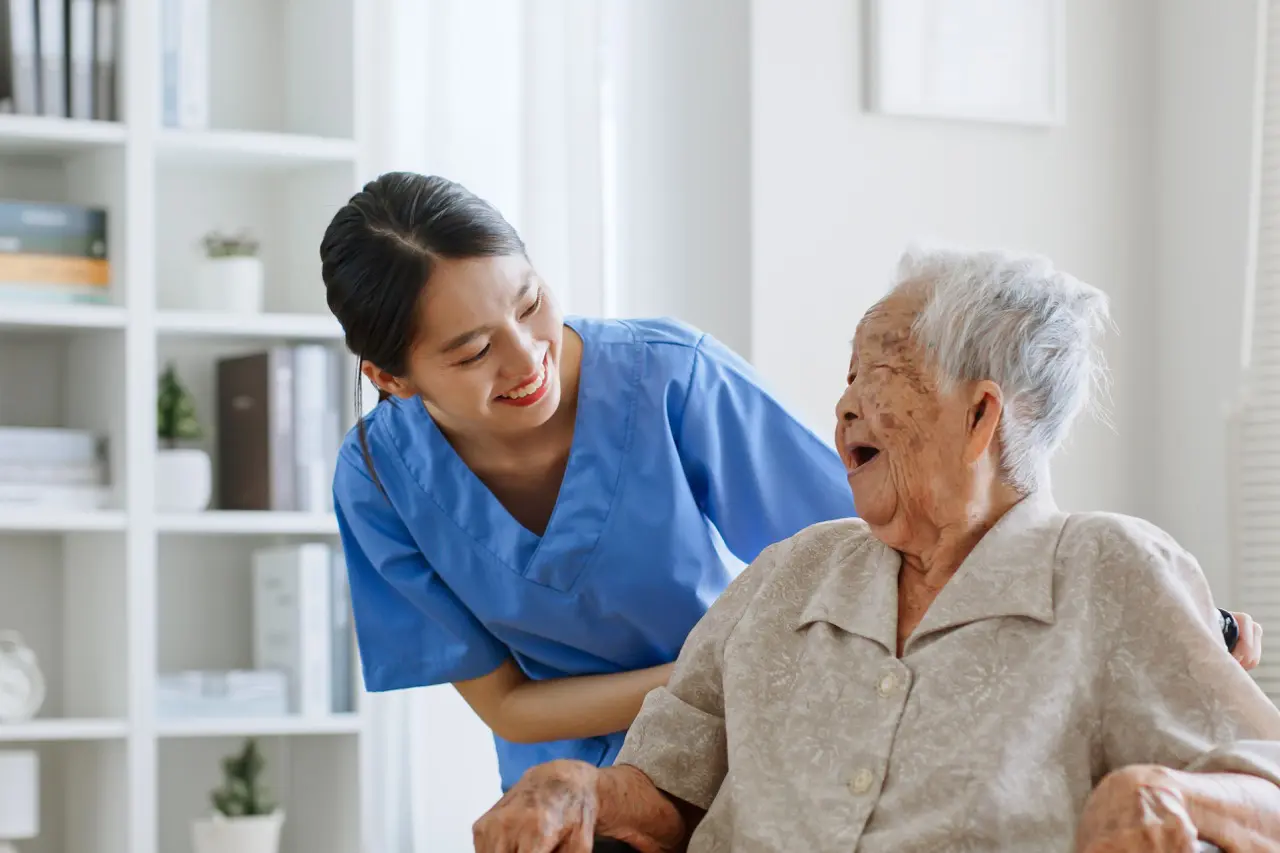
[(459, 341)]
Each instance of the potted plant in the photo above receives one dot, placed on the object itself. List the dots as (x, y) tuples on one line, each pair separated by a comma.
[(184, 475), (231, 275), (244, 820)]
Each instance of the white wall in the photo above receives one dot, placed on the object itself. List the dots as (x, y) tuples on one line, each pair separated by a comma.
[(682, 73), (837, 192), (1207, 53)]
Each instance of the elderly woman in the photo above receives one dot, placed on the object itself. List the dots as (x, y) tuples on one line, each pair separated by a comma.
[(961, 668)]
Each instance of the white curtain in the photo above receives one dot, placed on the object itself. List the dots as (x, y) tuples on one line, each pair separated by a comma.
[(1255, 434), (505, 97)]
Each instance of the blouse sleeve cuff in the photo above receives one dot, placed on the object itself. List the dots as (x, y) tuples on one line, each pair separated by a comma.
[(679, 747), (1259, 758)]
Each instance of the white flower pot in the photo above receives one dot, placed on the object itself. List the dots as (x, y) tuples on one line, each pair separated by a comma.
[(219, 834), (233, 284), (184, 480)]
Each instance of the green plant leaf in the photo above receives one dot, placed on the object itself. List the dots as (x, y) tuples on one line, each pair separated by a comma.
[(176, 418)]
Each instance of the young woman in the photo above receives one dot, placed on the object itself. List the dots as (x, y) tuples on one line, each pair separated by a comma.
[(533, 511)]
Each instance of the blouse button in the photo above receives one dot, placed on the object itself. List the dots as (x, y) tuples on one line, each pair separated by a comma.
[(888, 683), (861, 782)]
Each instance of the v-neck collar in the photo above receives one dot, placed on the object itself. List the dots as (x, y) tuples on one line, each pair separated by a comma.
[(601, 437)]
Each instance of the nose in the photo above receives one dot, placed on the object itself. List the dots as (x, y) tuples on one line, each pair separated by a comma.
[(525, 357), (845, 409)]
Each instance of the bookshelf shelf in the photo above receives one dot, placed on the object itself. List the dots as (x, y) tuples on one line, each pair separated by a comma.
[(110, 600), (52, 730), (38, 134), (251, 149), (301, 327), (249, 523), (338, 724), (52, 521), (54, 317)]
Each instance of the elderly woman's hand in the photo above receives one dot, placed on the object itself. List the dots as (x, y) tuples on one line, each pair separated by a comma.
[(1147, 807), (562, 805), (1248, 650), (1139, 808), (553, 807)]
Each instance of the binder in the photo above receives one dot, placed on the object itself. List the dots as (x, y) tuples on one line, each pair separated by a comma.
[(21, 58), (80, 58), (104, 60), (51, 36)]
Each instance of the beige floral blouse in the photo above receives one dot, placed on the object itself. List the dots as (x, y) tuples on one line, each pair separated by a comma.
[(1066, 645)]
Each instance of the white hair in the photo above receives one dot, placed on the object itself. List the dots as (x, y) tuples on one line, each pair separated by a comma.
[(1015, 320)]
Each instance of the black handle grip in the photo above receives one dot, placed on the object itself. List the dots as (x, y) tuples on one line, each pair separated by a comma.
[(1230, 629)]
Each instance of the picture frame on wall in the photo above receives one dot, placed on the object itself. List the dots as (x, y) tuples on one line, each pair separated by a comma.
[(969, 60)]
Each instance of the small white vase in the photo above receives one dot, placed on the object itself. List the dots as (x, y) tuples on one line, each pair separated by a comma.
[(233, 284), (219, 834), (184, 480)]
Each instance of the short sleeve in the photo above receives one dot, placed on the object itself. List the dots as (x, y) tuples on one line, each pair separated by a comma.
[(759, 474), (411, 629), (679, 739), (1172, 693)]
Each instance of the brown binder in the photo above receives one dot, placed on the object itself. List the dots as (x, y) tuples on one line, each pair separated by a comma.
[(256, 431)]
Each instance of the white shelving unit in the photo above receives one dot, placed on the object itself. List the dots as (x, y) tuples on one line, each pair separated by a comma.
[(109, 599)]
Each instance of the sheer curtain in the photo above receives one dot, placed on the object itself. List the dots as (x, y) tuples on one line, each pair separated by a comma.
[(1256, 424), (504, 96)]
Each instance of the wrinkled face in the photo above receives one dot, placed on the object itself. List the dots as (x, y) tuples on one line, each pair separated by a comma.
[(910, 450), (488, 349)]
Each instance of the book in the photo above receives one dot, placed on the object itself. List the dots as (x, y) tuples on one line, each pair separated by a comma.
[(53, 229), (21, 92), (256, 431), (79, 51), (293, 623), (104, 60), (184, 63), (51, 39)]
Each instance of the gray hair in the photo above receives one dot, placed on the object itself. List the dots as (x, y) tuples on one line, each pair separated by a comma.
[(1017, 321)]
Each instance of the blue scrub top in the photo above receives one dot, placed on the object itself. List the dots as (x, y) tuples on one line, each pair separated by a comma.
[(674, 433)]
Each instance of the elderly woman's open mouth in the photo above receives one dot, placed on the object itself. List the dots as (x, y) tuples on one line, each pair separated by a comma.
[(858, 456)]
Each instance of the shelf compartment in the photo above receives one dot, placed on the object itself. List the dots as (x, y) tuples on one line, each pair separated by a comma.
[(317, 327), (284, 211), (84, 796), (73, 381), (336, 724), (66, 596), (314, 780)]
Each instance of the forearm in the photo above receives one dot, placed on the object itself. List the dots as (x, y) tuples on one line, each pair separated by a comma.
[(1233, 810), (632, 809), (578, 707)]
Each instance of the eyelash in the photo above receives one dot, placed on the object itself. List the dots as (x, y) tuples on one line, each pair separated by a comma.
[(533, 309)]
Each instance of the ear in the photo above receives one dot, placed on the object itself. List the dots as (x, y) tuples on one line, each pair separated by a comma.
[(986, 404), (385, 382)]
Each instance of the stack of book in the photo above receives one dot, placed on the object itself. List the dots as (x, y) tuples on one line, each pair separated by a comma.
[(58, 58), (53, 252), (279, 428), (52, 469)]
